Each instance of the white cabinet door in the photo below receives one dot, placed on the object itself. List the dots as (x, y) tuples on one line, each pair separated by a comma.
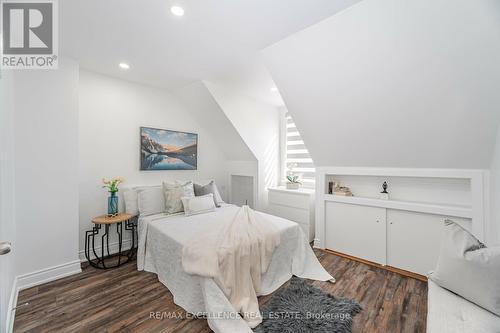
[(290, 213), (413, 240), (301, 216), (356, 230), (296, 200)]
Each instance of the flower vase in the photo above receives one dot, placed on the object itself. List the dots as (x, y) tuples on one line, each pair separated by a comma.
[(113, 204)]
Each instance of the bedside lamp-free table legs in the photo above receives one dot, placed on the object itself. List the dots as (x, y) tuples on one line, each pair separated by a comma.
[(103, 261)]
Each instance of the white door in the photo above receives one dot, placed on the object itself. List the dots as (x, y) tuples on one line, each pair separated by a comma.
[(359, 231), (6, 275), (7, 226), (242, 191)]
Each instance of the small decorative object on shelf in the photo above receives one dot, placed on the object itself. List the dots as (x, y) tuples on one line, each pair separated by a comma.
[(330, 187), (342, 190), (112, 186), (293, 182), (384, 194)]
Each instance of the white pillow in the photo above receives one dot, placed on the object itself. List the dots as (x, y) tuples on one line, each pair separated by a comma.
[(130, 200), (187, 188), (217, 195), (198, 205), (173, 193), (468, 268), (150, 201)]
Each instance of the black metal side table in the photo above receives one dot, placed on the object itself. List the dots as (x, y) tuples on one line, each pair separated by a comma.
[(100, 261)]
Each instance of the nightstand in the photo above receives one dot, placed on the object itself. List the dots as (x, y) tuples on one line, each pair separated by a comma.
[(100, 221), (294, 205)]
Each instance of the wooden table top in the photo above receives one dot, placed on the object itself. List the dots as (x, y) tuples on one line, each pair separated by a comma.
[(104, 219)]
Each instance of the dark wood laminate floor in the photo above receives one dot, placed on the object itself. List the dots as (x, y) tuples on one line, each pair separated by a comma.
[(121, 299)]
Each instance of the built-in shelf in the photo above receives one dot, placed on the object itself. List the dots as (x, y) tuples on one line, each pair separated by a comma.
[(446, 210)]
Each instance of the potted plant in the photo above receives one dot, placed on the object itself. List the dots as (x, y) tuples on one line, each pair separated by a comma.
[(293, 182), (112, 186)]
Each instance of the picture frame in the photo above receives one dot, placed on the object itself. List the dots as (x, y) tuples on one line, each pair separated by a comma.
[(164, 149)]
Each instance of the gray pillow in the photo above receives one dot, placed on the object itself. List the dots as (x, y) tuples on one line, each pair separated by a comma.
[(468, 268), (200, 190)]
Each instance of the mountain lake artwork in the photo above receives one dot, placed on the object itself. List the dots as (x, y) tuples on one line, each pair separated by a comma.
[(168, 150)]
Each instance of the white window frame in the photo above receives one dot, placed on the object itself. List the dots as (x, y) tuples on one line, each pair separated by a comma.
[(283, 150)]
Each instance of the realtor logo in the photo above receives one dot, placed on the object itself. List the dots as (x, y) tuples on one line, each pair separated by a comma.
[(29, 34)]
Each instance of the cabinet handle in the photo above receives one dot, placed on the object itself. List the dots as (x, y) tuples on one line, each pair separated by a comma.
[(5, 248)]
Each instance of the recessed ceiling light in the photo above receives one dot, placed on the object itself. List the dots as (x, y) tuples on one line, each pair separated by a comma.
[(177, 11), (124, 65), (274, 89)]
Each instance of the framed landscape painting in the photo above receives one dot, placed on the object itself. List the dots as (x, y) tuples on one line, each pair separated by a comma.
[(168, 150)]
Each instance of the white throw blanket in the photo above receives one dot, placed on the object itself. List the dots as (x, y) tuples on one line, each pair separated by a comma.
[(235, 255)]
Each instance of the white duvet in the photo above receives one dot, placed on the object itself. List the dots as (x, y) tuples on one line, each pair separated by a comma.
[(161, 243)]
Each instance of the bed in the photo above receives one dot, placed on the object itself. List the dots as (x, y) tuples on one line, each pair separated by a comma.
[(161, 241), (449, 312)]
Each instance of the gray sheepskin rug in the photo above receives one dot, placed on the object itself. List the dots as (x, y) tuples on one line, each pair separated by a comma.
[(302, 308)]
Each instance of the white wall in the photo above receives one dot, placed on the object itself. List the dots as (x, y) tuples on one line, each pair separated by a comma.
[(258, 124), (111, 113), (392, 83), (494, 229), (202, 105), (7, 206), (46, 169)]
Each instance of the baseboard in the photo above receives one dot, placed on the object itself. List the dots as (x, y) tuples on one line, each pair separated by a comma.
[(317, 243), (113, 249), (48, 274), (36, 278), (385, 267), (11, 307)]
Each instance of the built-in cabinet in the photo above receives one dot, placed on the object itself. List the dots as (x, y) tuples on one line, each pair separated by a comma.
[(294, 205), (359, 231), (406, 240), (414, 240), (405, 231)]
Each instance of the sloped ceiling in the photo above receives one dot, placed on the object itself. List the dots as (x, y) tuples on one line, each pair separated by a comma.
[(163, 50), (395, 83), (203, 106), (257, 123)]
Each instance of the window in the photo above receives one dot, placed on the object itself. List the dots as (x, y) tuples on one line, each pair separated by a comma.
[(295, 155)]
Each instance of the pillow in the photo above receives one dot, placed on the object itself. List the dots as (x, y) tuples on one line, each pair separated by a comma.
[(173, 193), (217, 196), (150, 201), (130, 200), (187, 188), (468, 268), (198, 205), (200, 190)]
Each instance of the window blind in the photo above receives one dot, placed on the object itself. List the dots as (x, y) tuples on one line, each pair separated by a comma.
[(297, 155)]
